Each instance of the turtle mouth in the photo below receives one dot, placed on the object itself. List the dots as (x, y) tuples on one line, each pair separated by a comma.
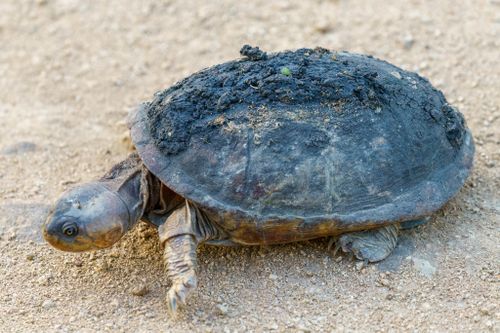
[(77, 245)]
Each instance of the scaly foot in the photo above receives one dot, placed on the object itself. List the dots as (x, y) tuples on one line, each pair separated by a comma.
[(372, 245)]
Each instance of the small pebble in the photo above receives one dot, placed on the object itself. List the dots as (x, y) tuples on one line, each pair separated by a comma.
[(309, 273), (140, 290), (423, 65), (30, 257), (485, 311), (48, 304), (323, 27), (78, 262), (19, 148), (222, 308), (408, 42), (272, 326), (66, 182), (384, 282), (45, 280), (273, 276), (103, 266), (424, 267), (360, 265), (396, 75)]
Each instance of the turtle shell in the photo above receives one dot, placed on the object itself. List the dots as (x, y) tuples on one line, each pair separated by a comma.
[(307, 136)]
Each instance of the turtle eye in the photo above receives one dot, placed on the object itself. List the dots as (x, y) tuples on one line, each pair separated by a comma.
[(70, 229)]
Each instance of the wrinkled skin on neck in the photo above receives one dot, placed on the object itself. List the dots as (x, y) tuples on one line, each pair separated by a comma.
[(96, 215)]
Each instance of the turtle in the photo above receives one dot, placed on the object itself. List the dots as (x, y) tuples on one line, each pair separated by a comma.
[(274, 148)]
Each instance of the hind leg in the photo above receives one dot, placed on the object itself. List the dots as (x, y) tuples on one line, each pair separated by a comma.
[(372, 245)]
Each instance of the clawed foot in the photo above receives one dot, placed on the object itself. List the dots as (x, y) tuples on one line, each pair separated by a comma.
[(334, 243), (179, 291), (369, 246)]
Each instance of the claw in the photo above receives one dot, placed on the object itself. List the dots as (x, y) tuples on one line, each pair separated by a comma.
[(331, 242), (336, 249), (172, 303), (177, 294)]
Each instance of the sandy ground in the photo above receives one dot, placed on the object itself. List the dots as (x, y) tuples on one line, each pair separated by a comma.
[(71, 70)]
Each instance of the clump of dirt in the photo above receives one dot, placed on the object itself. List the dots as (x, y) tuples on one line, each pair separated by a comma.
[(253, 53), (282, 81)]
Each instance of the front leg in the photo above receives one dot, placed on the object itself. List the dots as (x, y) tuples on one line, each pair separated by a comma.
[(180, 235), (180, 259)]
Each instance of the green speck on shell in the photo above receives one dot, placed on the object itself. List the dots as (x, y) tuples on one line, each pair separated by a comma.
[(286, 71)]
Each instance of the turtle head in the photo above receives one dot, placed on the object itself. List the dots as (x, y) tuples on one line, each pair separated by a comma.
[(88, 217)]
